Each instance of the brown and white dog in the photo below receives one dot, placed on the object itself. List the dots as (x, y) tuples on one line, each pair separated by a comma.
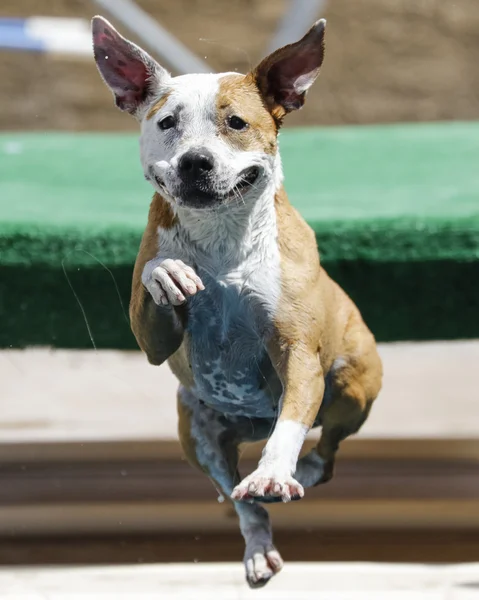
[(228, 285)]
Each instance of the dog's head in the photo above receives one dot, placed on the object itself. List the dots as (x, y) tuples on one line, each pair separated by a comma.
[(208, 139)]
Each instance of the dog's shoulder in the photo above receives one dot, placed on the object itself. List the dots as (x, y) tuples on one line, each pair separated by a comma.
[(296, 240), (300, 311)]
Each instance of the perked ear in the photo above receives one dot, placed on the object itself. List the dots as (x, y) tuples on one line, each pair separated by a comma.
[(285, 76), (132, 75)]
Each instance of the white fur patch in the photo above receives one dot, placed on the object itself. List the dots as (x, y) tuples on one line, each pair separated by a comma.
[(274, 475), (283, 447), (237, 257), (192, 99)]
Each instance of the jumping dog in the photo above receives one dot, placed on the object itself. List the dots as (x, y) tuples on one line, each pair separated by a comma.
[(228, 286)]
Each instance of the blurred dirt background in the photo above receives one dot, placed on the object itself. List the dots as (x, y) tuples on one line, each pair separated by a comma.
[(386, 61)]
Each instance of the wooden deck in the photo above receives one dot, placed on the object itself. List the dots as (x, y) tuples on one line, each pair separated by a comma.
[(202, 582), (91, 470)]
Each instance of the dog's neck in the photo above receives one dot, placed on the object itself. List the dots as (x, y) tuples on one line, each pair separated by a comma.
[(231, 233)]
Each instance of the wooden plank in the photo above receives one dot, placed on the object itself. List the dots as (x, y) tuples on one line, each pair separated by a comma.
[(357, 447), (301, 581), (306, 544), (67, 483), (103, 518), (173, 479)]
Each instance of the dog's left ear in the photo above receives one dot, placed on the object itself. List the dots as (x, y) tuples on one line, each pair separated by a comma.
[(131, 73), (285, 76)]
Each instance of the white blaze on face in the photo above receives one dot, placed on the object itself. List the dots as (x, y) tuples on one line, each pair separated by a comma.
[(191, 101)]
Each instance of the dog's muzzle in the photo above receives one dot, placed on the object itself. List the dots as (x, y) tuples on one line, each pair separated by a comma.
[(196, 170)]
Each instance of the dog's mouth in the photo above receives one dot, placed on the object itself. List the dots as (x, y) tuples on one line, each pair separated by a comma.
[(159, 182), (211, 197), (152, 176), (203, 197), (246, 180)]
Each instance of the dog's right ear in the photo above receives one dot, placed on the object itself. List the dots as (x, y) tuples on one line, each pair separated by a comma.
[(133, 76)]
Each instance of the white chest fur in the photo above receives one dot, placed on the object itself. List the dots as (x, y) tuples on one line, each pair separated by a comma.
[(235, 252)]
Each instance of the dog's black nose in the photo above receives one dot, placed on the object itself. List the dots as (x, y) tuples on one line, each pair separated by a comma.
[(196, 163)]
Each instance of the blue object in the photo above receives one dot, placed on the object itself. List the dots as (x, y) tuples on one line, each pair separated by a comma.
[(15, 36)]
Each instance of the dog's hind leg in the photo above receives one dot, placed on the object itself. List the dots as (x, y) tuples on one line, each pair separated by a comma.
[(210, 443), (355, 383)]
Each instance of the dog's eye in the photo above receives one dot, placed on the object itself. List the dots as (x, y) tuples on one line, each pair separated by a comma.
[(237, 123), (166, 123)]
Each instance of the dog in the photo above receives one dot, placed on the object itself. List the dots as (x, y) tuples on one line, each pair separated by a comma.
[(228, 286)]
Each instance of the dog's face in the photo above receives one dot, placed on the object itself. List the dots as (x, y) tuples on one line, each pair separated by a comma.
[(208, 140)]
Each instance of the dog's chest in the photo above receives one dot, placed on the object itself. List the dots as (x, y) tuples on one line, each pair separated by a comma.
[(228, 326)]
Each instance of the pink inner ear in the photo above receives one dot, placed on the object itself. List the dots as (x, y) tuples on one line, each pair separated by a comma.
[(123, 67), (287, 74), (296, 72), (290, 78)]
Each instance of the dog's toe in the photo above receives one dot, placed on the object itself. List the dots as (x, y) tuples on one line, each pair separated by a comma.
[(274, 560), (265, 486), (261, 567)]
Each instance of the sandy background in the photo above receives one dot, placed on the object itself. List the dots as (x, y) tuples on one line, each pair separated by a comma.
[(386, 61)]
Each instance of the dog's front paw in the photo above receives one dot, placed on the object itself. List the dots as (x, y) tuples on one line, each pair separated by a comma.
[(170, 281), (268, 485)]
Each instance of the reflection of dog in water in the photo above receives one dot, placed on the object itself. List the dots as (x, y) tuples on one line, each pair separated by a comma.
[(228, 286)]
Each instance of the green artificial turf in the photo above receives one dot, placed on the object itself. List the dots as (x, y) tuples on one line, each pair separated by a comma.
[(395, 210)]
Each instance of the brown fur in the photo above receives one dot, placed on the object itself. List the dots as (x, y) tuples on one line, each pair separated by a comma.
[(317, 323), (144, 316), (264, 74), (160, 215), (317, 331), (157, 106), (238, 95), (145, 324)]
